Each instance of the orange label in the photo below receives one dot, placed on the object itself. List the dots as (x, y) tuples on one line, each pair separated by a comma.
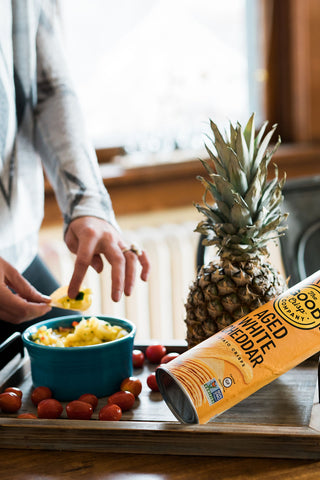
[(250, 353)]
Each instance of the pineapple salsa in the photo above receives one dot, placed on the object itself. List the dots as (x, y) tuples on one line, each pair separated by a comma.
[(91, 331)]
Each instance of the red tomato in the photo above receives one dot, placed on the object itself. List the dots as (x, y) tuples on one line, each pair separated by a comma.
[(27, 415), (168, 357), (131, 384), (154, 353), (152, 382), (110, 413), (89, 398), (137, 358), (79, 410), (15, 390), (49, 408), (124, 400), (39, 394), (9, 402)]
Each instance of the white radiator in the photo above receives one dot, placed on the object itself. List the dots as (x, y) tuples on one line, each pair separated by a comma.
[(156, 307)]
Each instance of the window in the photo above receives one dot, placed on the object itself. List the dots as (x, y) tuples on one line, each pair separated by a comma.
[(149, 73)]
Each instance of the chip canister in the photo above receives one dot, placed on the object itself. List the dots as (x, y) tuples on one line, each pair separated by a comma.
[(213, 376)]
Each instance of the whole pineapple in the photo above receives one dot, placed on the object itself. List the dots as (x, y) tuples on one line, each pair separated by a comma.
[(245, 215)]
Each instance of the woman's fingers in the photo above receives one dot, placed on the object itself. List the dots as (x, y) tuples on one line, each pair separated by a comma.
[(84, 257), (89, 253), (132, 258), (21, 286), (19, 300), (130, 271), (97, 263), (15, 309), (145, 264), (117, 261), (91, 239)]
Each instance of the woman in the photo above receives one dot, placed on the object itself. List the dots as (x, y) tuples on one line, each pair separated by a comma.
[(41, 127)]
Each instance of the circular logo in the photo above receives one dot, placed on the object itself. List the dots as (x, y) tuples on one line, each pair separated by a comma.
[(301, 309), (227, 382)]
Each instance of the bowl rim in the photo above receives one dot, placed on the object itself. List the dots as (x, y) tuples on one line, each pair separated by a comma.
[(69, 318)]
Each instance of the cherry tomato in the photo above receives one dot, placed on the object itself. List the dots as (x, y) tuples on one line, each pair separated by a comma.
[(15, 390), (110, 412), (79, 410), (9, 402), (131, 384), (152, 382), (168, 357), (137, 358), (49, 408), (27, 415), (39, 394), (154, 353), (89, 398), (124, 400)]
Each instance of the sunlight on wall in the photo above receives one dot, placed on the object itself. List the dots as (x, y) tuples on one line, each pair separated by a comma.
[(150, 73)]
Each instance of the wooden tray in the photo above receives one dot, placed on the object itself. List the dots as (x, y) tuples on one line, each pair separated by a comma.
[(281, 420)]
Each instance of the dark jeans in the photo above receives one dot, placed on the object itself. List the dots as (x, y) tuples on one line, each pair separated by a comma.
[(42, 279)]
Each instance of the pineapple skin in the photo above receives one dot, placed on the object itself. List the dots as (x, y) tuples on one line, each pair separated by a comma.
[(240, 222), (225, 291)]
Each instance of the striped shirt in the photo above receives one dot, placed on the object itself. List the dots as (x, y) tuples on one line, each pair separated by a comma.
[(40, 128)]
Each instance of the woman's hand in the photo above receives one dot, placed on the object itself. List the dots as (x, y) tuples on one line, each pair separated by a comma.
[(26, 304), (90, 238)]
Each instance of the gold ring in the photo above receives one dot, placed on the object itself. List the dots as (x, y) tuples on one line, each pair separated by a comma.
[(133, 248)]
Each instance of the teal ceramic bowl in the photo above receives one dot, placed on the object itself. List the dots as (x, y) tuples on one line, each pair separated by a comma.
[(71, 371)]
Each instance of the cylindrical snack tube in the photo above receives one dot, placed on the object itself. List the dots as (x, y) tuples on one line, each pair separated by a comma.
[(211, 377)]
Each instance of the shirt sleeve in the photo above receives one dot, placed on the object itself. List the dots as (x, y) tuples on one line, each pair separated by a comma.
[(67, 155)]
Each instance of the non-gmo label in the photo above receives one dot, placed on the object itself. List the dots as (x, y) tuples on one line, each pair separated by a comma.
[(301, 309), (212, 391)]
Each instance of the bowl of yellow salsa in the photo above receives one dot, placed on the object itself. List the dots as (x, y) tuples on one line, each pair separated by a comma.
[(80, 354)]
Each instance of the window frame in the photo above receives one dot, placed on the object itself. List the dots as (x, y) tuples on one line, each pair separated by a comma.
[(293, 81)]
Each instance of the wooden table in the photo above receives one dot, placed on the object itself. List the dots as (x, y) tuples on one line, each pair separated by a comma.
[(48, 465), (98, 452)]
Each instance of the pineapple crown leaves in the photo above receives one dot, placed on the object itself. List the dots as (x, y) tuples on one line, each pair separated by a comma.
[(246, 212)]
